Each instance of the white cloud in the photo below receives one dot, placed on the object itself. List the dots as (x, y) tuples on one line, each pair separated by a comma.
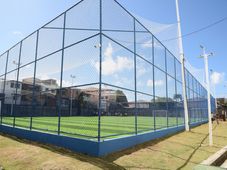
[(18, 33), (217, 78), (43, 77), (148, 44), (65, 83), (123, 81), (150, 83), (111, 66), (141, 71), (109, 51), (157, 83), (140, 83)]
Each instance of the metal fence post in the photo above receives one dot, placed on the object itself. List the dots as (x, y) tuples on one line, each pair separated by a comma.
[(34, 78), (18, 71), (175, 79), (100, 71), (167, 100), (154, 113), (62, 64), (4, 83), (136, 111)]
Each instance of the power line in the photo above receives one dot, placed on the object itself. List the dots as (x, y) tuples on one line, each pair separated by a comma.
[(183, 36), (199, 30)]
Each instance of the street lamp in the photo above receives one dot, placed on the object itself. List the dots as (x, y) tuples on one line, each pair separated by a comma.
[(71, 94), (14, 95), (205, 57)]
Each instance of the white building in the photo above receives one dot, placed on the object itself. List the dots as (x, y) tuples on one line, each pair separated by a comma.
[(47, 86), (12, 91)]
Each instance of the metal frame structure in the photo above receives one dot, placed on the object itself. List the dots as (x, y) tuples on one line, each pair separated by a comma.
[(102, 33)]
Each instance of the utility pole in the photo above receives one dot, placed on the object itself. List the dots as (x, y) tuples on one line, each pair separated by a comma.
[(216, 106), (71, 94), (180, 44), (205, 57)]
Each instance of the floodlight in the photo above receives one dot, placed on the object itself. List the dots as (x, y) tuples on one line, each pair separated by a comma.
[(72, 76), (97, 45)]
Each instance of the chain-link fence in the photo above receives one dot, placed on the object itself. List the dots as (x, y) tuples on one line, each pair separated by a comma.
[(95, 72)]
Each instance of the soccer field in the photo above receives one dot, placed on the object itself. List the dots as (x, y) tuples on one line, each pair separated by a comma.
[(87, 127)]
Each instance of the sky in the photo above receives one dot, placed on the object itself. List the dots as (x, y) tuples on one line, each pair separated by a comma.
[(20, 18)]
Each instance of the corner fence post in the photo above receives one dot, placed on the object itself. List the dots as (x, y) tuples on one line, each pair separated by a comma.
[(100, 71), (62, 65)]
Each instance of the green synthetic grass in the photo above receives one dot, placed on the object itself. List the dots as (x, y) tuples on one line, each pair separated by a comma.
[(87, 127)]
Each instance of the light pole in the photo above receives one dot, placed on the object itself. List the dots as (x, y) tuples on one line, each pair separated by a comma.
[(180, 44), (71, 94), (205, 57), (14, 95)]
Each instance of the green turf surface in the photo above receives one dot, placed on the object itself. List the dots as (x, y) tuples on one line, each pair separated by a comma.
[(111, 126)]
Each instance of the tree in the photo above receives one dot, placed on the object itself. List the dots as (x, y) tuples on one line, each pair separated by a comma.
[(121, 98), (80, 103), (177, 97)]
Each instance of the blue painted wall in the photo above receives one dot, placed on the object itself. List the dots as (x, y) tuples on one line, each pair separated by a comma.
[(74, 144), (90, 147)]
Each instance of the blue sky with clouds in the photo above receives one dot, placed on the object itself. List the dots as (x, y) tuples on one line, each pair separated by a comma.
[(20, 18)]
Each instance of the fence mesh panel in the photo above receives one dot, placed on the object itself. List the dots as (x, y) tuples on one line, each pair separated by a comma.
[(96, 72)]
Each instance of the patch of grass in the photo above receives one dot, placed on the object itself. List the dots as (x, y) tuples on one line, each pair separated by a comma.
[(20, 154), (181, 151), (87, 127)]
